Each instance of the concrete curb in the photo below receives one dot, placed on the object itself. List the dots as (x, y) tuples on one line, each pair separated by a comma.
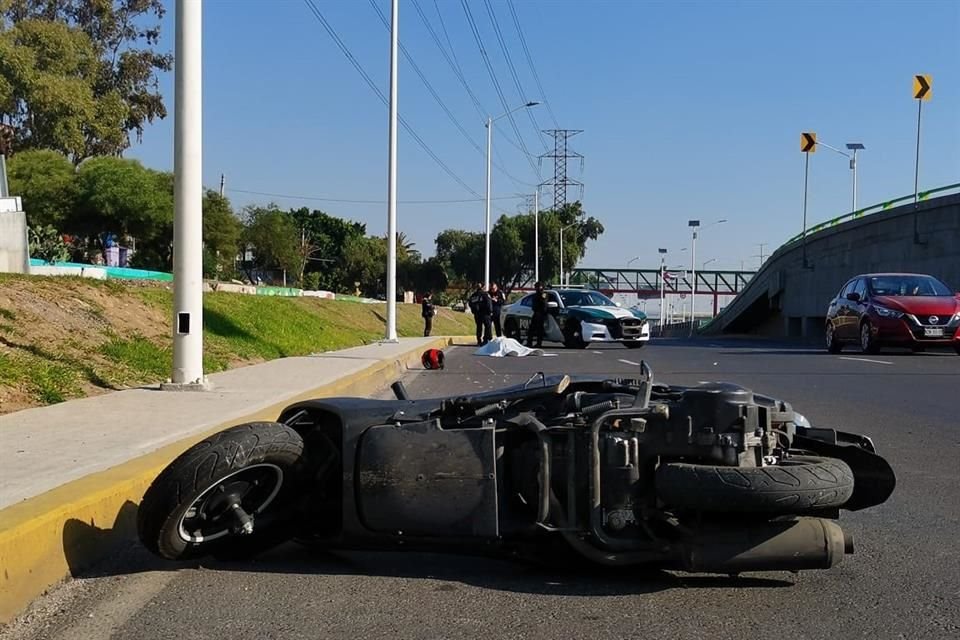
[(62, 532)]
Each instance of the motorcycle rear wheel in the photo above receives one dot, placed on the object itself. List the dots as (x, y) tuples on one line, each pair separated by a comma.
[(798, 484), (202, 502)]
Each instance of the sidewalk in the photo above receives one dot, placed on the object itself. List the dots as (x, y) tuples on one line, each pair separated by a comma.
[(90, 460)]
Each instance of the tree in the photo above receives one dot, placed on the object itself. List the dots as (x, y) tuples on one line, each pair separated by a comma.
[(321, 247), (511, 247), (365, 262), (79, 76), (122, 197), (461, 254), (274, 236), (221, 233), (47, 183)]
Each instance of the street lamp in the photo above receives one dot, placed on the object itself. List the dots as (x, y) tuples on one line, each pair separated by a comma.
[(632, 260), (695, 224), (663, 268), (853, 146), (536, 235), (703, 267), (486, 251), (562, 229)]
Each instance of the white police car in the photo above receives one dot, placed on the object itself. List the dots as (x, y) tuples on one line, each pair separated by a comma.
[(577, 317)]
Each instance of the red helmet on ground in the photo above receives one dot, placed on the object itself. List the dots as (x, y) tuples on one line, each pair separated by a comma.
[(432, 359)]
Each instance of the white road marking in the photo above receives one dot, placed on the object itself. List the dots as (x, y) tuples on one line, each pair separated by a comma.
[(486, 367), (864, 360), (599, 353), (636, 364)]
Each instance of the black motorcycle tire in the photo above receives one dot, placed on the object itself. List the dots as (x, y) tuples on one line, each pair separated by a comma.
[(801, 483), (220, 461)]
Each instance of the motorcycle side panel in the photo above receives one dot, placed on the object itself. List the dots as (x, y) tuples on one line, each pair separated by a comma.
[(418, 479)]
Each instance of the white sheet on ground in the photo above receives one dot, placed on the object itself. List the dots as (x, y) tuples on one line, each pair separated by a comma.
[(500, 347)]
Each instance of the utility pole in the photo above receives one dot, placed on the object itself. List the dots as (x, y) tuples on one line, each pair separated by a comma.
[(390, 334), (663, 273), (761, 245), (223, 181), (693, 268), (188, 199), (536, 235), (561, 153)]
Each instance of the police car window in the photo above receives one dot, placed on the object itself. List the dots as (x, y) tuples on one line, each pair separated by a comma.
[(585, 299), (527, 302)]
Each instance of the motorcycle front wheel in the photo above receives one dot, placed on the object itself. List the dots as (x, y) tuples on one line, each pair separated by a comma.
[(216, 497)]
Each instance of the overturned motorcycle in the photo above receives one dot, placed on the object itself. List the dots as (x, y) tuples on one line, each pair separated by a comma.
[(711, 478)]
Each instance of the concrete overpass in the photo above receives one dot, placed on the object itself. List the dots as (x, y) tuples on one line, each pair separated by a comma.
[(788, 298)]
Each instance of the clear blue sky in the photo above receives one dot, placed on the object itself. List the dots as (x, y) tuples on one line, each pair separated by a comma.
[(689, 110)]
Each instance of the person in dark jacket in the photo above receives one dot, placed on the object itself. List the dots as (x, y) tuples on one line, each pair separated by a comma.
[(498, 299), (539, 316), (482, 308), (427, 311)]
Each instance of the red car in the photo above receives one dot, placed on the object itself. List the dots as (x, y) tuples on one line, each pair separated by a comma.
[(897, 309)]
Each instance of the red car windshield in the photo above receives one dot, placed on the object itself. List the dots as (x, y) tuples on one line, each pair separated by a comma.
[(907, 286)]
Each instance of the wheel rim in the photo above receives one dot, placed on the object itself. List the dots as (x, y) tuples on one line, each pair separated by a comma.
[(865, 337), (210, 515)]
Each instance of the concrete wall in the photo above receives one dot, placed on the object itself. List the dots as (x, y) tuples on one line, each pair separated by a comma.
[(14, 247), (786, 299)]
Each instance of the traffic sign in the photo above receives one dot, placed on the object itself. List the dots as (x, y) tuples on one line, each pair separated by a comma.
[(922, 85), (808, 142)]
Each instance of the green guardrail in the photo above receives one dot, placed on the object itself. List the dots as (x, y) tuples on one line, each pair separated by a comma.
[(877, 208)]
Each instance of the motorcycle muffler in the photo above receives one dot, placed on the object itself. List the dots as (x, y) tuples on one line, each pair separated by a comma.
[(804, 543)]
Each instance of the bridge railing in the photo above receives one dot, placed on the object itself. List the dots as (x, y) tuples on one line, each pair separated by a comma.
[(854, 215), (877, 208)]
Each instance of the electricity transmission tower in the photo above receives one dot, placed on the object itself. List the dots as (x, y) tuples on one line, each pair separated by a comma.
[(561, 153)]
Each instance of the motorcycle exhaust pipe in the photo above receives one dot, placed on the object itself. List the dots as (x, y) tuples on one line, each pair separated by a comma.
[(805, 543), (400, 390)]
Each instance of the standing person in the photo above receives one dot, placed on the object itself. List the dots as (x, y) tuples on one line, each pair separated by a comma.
[(482, 308), (497, 298), (427, 311), (539, 316)]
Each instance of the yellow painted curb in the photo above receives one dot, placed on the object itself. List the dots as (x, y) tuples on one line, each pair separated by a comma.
[(63, 531)]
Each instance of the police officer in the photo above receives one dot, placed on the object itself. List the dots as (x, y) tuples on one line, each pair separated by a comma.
[(497, 298), (482, 308), (539, 315), (427, 312)]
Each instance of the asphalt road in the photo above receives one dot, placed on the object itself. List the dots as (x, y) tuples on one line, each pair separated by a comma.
[(902, 582)]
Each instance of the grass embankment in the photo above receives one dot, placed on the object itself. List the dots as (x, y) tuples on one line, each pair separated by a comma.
[(63, 338)]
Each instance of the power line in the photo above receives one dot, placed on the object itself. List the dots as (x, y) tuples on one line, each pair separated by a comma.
[(346, 51), (512, 69), (458, 72), (436, 96), (496, 85), (533, 69), (356, 201)]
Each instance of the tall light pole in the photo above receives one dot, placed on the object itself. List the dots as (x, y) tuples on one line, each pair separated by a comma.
[(188, 199), (694, 224), (486, 250), (536, 235), (854, 146), (390, 335), (663, 270), (562, 229)]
